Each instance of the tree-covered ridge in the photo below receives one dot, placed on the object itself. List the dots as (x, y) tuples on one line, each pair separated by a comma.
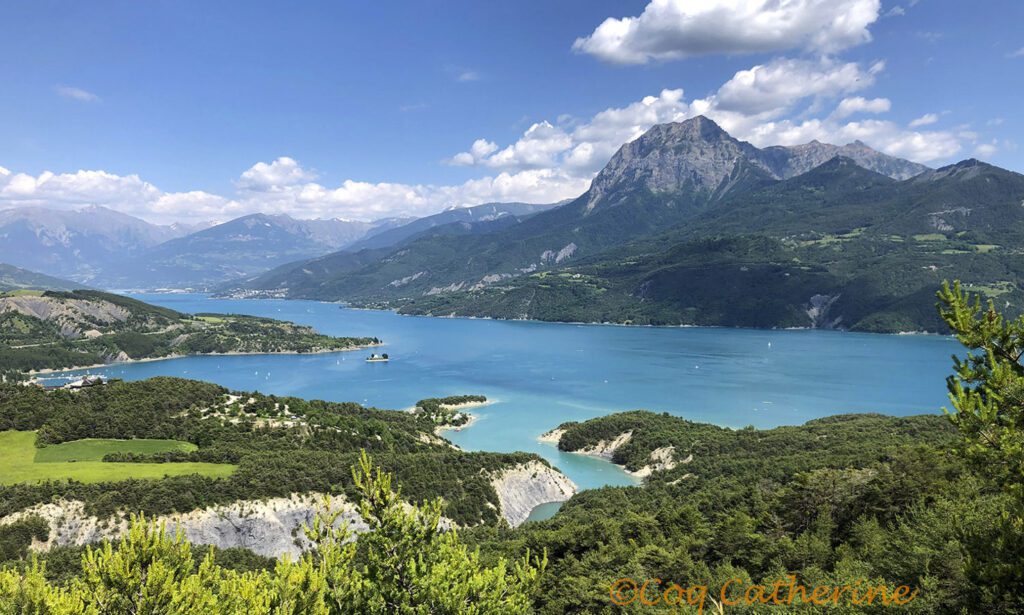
[(404, 564), (841, 441), (52, 330), (281, 445), (848, 278), (855, 497)]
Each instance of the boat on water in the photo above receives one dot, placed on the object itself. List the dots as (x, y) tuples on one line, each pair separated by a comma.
[(377, 358)]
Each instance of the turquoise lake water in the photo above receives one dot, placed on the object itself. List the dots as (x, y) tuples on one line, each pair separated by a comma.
[(542, 374)]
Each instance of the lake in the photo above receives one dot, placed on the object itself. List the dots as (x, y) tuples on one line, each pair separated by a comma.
[(543, 374)]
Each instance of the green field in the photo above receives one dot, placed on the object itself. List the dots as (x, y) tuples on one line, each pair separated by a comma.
[(92, 449), (21, 461)]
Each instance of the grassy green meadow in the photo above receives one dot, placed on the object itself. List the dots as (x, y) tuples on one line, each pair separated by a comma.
[(94, 449), (81, 460)]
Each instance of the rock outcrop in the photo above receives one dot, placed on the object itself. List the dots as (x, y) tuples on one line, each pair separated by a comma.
[(661, 459), (526, 486), (605, 449), (818, 310), (272, 527), (71, 315)]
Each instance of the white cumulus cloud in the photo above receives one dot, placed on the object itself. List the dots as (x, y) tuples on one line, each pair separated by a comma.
[(674, 29), (770, 104), (780, 84), (859, 104), (986, 150), (282, 172), (781, 102), (924, 120)]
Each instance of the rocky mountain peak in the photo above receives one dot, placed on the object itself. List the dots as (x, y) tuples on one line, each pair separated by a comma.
[(698, 157), (695, 155), (962, 171)]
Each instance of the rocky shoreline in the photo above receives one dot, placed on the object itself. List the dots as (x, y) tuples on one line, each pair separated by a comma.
[(524, 487), (661, 459)]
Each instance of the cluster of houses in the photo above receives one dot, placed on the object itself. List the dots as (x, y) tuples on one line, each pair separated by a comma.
[(84, 382)]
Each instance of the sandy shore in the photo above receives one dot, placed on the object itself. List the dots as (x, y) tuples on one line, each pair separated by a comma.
[(551, 437), (443, 428)]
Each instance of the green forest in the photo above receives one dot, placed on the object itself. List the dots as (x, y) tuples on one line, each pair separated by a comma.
[(933, 503), (280, 445)]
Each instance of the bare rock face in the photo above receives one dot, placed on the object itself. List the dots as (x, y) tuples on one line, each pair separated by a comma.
[(524, 487), (696, 156), (661, 459), (553, 436), (796, 160), (275, 527), (271, 528), (73, 316), (818, 310), (605, 449)]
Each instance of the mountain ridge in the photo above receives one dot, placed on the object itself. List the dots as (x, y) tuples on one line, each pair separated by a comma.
[(852, 234), (15, 278), (241, 246), (74, 243)]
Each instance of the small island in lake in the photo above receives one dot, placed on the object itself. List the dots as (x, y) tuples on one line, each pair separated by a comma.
[(377, 358)]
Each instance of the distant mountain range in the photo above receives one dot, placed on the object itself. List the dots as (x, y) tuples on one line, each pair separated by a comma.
[(442, 228), (106, 248), (688, 225), (239, 247), (75, 244), (488, 212)]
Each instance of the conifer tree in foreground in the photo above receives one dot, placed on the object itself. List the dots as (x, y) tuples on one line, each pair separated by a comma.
[(987, 392)]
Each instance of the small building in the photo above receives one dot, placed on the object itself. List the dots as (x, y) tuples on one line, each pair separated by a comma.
[(85, 382)]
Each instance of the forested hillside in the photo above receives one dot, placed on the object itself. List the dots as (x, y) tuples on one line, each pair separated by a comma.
[(51, 330), (280, 445), (14, 278), (689, 226)]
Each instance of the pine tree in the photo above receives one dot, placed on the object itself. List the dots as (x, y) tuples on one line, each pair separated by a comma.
[(987, 393)]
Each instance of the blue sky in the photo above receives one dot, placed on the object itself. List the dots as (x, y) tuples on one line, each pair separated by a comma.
[(194, 111)]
